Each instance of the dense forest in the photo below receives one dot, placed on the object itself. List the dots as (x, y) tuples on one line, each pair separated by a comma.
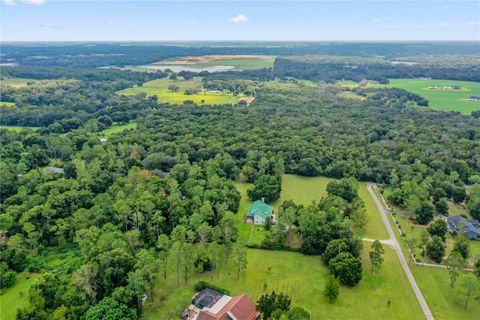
[(119, 210), (330, 69)]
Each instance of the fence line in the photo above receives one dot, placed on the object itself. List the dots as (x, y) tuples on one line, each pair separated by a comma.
[(412, 256)]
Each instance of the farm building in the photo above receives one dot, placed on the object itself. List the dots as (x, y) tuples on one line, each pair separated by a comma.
[(259, 212), (459, 225), (209, 304)]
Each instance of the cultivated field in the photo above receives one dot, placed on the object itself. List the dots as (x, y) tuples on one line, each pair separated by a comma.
[(214, 63), (267, 270), (160, 89), (7, 104)]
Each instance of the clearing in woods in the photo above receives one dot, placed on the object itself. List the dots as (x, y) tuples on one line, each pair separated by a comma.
[(160, 88), (17, 296), (116, 128), (305, 190)]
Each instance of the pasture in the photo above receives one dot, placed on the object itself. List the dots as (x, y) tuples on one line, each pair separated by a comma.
[(17, 296), (160, 89), (441, 95), (267, 270), (116, 128)]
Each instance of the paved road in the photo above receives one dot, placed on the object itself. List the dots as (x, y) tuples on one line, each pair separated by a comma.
[(403, 261)]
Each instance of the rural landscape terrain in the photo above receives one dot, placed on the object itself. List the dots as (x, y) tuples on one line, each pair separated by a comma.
[(238, 180)]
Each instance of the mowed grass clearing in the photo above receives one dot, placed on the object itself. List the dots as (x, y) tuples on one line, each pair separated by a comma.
[(160, 89), (17, 296), (303, 279), (116, 128)]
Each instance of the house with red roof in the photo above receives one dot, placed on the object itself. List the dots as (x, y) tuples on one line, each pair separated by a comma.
[(209, 304)]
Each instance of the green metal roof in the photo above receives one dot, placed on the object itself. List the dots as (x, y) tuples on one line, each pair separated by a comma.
[(260, 208)]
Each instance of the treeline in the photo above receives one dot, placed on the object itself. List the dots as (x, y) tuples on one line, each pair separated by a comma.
[(331, 69), (121, 54)]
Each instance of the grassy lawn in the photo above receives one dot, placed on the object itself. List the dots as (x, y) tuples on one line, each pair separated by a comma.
[(374, 228), (443, 300), (116, 128), (441, 98), (18, 128), (159, 88), (289, 272), (16, 297)]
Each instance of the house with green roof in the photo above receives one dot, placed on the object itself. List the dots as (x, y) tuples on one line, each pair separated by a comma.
[(259, 212)]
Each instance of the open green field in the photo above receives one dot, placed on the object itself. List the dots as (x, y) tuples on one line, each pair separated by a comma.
[(116, 128), (288, 272), (7, 104), (159, 88), (18, 128), (440, 97), (439, 93), (443, 300), (16, 82), (16, 296)]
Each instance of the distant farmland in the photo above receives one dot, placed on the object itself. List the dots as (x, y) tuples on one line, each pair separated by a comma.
[(211, 63), (160, 88), (446, 95), (443, 94)]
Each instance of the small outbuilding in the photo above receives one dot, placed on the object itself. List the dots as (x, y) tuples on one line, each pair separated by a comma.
[(259, 212)]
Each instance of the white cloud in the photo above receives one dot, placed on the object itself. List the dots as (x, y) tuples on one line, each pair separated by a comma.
[(240, 18), (8, 3), (34, 2)]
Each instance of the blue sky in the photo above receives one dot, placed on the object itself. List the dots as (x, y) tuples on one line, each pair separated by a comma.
[(43, 20)]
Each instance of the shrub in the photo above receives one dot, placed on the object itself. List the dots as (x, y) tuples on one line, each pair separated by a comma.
[(200, 285), (7, 279)]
